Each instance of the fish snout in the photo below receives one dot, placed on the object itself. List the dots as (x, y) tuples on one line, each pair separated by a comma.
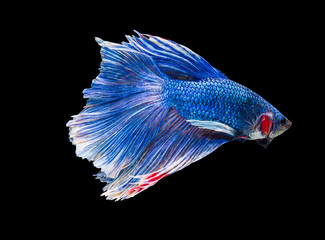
[(288, 124)]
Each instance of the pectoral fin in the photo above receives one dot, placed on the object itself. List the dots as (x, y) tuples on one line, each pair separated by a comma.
[(212, 125)]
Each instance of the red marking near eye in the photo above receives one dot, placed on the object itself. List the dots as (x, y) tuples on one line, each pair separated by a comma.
[(266, 124)]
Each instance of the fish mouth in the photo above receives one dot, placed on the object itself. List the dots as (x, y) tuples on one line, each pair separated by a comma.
[(288, 124), (265, 142), (268, 139)]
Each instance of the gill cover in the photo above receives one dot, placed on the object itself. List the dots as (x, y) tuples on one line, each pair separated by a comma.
[(265, 127)]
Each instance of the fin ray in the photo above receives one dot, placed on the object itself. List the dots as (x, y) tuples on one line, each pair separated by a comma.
[(124, 111), (177, 145), (126, 127), (175, 60)]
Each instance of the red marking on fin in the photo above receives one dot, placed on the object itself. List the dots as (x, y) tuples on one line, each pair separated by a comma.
[(152, 175), (266, 124), (139, 189), (136, 189), (154, 178), (243, 137), (150, 180)]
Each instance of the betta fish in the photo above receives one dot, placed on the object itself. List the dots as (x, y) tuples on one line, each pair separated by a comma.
[(156, 107)]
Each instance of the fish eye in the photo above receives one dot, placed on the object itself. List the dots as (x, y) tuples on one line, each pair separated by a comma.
[(282, 122)]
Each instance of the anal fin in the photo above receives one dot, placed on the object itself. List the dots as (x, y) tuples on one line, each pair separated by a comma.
[(177, 145)]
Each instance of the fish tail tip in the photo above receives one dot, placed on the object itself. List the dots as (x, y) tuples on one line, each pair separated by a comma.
[(99, 40), (139, 34)]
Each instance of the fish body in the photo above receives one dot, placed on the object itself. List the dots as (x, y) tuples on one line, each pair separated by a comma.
[(157, 107), (215, 99)]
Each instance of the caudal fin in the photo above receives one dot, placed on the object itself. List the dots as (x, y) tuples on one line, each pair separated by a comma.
[(124, 110), (127, 129)]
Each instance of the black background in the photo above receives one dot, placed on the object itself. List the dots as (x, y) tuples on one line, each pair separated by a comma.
[(240, 184)]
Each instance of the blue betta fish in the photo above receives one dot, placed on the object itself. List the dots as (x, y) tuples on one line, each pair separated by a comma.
[(157, 107)]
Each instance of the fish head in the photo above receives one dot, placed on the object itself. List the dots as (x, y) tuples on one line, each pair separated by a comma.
[(268, 126)]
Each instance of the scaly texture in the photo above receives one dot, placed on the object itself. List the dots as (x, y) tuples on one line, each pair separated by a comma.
[(215, 99), (157, 107)]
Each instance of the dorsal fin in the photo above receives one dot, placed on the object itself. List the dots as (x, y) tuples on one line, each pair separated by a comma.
[(175, 60)]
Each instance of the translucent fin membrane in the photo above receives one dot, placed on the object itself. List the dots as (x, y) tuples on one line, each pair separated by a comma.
[(124, 110), (175, 60), (177, 145), (127, 128)]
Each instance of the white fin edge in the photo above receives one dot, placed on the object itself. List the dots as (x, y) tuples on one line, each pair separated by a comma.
[(212, 125)]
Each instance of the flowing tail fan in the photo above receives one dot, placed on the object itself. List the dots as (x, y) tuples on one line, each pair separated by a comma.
[(127, 127)]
